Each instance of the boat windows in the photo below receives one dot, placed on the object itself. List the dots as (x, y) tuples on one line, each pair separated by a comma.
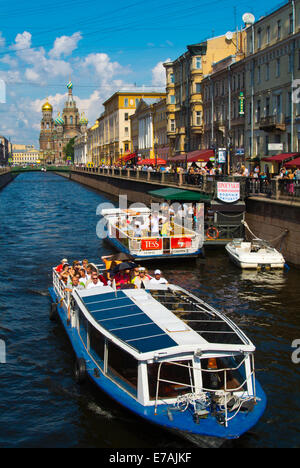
[(170, 379), (97, 344), (122, 368), (224, 373), (82, 327)]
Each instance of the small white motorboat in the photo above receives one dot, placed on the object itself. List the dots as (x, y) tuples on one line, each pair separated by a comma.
[(255, 254)]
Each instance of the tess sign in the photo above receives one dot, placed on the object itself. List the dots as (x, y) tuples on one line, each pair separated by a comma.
[(228, 192)]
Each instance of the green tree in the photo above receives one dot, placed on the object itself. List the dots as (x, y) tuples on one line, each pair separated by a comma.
[(69, 150)]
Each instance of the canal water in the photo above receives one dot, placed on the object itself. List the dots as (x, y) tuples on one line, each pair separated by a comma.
[(45, 217)]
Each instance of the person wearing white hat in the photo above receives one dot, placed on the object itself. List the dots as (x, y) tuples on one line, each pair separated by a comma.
[(158, 279), (60, 266)]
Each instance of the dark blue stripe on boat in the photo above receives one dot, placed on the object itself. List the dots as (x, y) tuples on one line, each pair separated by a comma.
[(125, 320)]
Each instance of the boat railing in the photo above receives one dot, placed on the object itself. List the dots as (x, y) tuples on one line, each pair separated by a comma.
[(61, 289), (229, 400), (135, 244)]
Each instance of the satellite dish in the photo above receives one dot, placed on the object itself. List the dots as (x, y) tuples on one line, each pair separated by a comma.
[(248, 18), (229, 36)]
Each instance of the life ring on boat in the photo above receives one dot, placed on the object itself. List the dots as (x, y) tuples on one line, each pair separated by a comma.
[(80, 370), (212, 233)]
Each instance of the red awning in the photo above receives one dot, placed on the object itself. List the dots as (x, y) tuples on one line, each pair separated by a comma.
[(194, 156), (125, 158), (179, 157), (293, 163), (200, 156), (152, 162), (280, 157)]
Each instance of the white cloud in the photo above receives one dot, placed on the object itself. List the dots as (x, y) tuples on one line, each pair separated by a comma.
[(65, 45), (159, 74), (103, 66)]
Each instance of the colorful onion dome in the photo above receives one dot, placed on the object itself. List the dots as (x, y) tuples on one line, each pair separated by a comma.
[(47, 107), (83, 120), (70, 85), (59, 120)]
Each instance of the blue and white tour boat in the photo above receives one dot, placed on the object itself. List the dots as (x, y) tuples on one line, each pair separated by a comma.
[(165, 355)]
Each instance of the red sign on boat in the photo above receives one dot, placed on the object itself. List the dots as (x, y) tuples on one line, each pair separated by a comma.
[(151, 244), (181, 242)]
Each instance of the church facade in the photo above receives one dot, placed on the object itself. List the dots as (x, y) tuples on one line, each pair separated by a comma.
[(56, 133)]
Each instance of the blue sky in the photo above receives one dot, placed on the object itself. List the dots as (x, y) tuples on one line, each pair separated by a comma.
[(101, 46)]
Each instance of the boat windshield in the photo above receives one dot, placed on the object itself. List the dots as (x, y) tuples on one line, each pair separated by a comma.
[(224, 373), (170, 379)]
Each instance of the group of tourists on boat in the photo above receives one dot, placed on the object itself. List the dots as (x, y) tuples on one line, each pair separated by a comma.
[(161, 224), (118, 273)]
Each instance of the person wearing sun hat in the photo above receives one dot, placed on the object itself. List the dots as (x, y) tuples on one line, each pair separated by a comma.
[(60, 266), (142, 280)]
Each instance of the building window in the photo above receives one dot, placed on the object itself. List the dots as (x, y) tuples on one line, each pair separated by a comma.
[(126, 131), (277, 67), (137, 102), (268, 35), (172, 125), (198, 118), (279, 29), (126, 102), (267, 106), (172, 99), (172, 80), (126, 116), (259, 38), (199, 62), (258, 75), (291, 23), (267, 71), (198, 87)]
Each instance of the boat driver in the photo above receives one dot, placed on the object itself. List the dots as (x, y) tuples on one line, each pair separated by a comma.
[(158, 279)]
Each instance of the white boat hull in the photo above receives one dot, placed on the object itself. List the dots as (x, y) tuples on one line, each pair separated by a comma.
[(263, 258)]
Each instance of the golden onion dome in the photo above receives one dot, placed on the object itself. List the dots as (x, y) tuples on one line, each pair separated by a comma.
[(47, 107)]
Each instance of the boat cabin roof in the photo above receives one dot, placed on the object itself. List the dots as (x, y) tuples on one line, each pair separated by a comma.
[(129, 212), (165, 320)]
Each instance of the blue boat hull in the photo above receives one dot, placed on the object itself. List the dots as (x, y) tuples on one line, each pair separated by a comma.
[(122, 248), (180, 422)]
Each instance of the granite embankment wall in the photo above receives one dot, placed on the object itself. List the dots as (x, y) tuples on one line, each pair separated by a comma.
[(277, 221), (5, 178), (136, 191)]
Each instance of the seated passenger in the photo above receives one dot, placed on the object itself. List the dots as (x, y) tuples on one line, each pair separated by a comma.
[(64, 275), (95, 282), (60, 266), (143, 280), (121, 278), (83, 279), (158, 279), (134, 273), (137, 230), (75, 284)]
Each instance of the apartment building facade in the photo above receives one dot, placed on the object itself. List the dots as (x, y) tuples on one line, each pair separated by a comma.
[(272, 66), (223, 94), (184, 91), (149, 130), (113, 134)]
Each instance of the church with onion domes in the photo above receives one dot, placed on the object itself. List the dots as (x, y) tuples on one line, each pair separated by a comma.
[(56, 133)]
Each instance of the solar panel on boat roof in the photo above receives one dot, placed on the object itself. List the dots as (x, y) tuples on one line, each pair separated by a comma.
[(211, 327), (119, 315)]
